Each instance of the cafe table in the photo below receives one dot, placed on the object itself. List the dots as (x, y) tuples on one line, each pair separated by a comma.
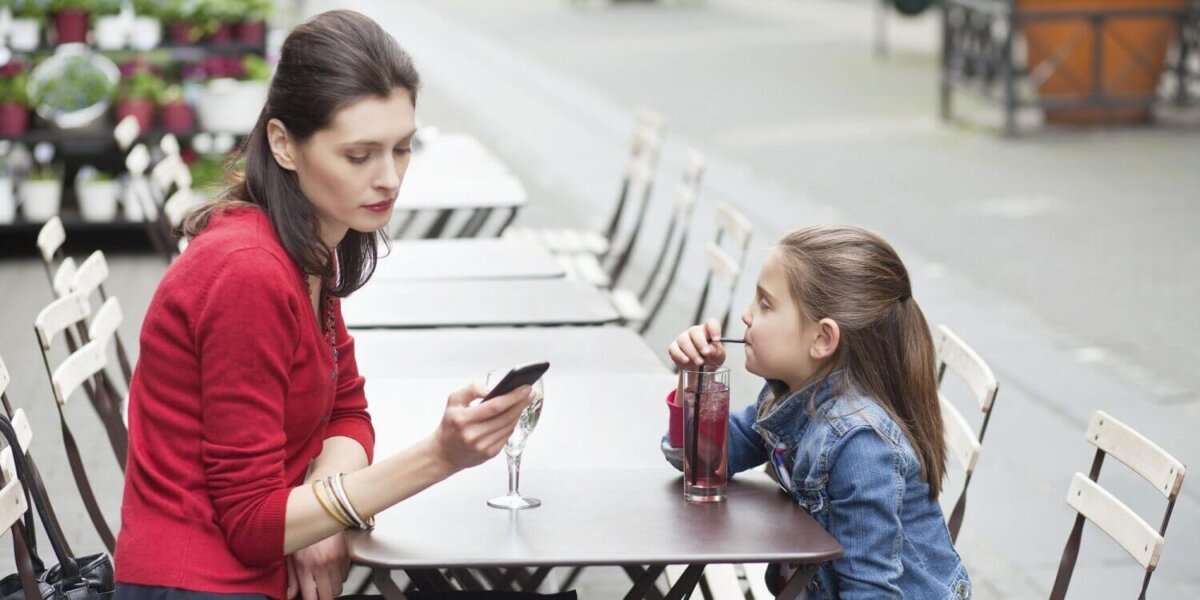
[(455, 171), (479, 303), (608, 498), (474, 258), (472, 352)]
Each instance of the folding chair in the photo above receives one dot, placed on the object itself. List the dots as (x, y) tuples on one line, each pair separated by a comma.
[(645, 148), (89, 278), (722, 265), (50, 240), (587, 266), (177, 207), (25, 434), (1094, 503), (956, 356), (87, 365)]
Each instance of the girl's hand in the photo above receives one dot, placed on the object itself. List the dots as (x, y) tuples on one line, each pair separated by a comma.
[(693, 347), (317, 572), (470, 435)]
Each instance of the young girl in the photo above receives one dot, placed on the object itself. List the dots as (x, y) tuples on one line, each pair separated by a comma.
[(849, 416)]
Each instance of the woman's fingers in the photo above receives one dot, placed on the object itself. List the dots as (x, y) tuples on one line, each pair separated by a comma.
[(292, 587)]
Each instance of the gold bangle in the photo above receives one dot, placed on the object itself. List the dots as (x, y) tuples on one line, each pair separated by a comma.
[(317, 491), (340, 489)]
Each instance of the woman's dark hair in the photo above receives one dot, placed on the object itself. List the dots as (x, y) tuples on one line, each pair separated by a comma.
[(326, 64)]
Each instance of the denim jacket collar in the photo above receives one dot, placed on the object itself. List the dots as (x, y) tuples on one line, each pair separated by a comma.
[(787, 420)]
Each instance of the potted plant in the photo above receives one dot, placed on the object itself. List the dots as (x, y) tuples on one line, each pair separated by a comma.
[(97, 193), (252, 30), (138, 95), (175, 113), (146, 31), (41, 195), (180, 18), (227, 105), (14, 101), (8, 200), (1134, 49), (217, 18), (109, 29), (71, 20), (73, 88), (208, 175), (25, 29)]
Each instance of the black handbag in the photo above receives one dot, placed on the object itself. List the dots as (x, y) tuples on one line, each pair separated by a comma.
[(83, 578)]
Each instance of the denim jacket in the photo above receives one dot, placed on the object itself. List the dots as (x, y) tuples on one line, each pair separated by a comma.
[(844, 460)]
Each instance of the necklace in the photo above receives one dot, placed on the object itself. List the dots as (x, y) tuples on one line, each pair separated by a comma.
[(330, 334)]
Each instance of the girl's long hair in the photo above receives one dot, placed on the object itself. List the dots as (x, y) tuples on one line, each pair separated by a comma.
[(854, 277)]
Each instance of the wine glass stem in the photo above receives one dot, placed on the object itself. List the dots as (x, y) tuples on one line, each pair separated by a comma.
[(514, 474)]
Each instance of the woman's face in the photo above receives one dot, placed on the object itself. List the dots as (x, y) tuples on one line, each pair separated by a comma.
[(351, 170), (778, 341)]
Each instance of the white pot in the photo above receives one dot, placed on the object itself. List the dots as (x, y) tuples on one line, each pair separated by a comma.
[(8, 201), (146, 34), (40, 200), (98, 200), (230, 106), (24, 34), (109, 32)]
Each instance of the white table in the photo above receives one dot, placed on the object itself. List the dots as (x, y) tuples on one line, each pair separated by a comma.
[(471, 353), (491, 303), (476, 258), (457, 172)]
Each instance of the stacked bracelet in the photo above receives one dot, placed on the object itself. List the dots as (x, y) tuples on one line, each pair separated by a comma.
[(331, 493), (339, 491)]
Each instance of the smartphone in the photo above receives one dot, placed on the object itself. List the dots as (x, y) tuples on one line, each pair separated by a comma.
[(517, 377)]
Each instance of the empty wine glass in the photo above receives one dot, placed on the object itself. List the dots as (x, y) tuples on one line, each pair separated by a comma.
[(513, 500)]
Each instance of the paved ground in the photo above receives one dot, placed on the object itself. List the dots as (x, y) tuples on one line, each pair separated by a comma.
[(1064, 256)]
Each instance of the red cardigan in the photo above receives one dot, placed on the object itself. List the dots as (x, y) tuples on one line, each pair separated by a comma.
[(232, 397)]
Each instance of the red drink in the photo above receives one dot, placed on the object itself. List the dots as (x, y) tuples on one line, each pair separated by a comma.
[(705, 443)]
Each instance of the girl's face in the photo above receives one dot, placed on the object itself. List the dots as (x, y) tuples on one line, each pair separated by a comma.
[(351, 170), (779, 341)]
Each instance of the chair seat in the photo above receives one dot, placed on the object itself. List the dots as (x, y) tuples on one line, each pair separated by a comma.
[(627, 304), (561, 240), (589, 269)]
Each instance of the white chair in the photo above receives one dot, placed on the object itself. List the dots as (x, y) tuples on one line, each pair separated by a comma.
[(720, 264), (50, 240), (639, 183), (956, 356), (1093, 503), (89, 278)]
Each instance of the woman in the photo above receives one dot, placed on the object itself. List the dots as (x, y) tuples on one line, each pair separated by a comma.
[(246, 402)]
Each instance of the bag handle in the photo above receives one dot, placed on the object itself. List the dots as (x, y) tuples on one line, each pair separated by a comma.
[(70, 569)]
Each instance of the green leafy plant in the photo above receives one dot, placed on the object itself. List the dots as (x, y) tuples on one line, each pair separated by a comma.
[(78, 86), (208, 173), (12, 89), (101, 8), (83, 5), (166, 10), (143, 84), (171, 94), (42, 173), (26, 9), (255, 68), (257, 10)]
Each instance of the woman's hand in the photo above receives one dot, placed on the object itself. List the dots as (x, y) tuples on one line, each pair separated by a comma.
[(470, 435), (698, 345), (317, 572)]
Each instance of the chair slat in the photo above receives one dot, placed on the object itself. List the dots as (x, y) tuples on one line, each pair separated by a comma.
[(959, 436), (4, 377), (180, 204), (685, 201), (20, 424), (50, 238), (756, 576), (106, 321), (90, 275), (721, 264), (1145, 457), (12, 502), (733, 222), (59, 315), (723, 582), (1116, 520), (693, 168), (63, 277), (77, 368), (967, 364)]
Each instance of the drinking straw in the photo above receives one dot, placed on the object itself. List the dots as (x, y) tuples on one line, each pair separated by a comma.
[(696, 423), (732, 341)]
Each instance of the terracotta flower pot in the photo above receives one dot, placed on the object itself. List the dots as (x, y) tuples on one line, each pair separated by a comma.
[(251, 32), (177, 117), (181, 33), (71, 24), (14, 119), (1126, 42), (142, 110)]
